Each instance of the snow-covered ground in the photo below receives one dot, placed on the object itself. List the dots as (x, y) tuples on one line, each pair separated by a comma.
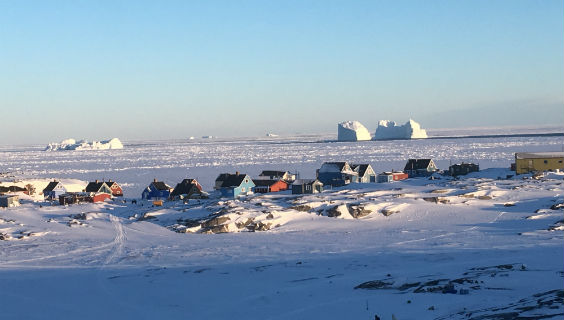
[(398, 249)]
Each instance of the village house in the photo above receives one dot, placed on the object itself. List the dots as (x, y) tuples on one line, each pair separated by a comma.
[(188, 189), (336, 174), (98, 191), (53, 190), (98, 187), (74, 198), (9, 200), (157, 190), (307, 186), (220, 179), (277, 175), (462, 169), (420, 167), (235, 185), (391, 176), (526, 162), (115, 187), (266, 186), (365, 173)]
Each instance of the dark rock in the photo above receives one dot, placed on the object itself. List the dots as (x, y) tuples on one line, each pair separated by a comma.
[(215, 222), (358, 211), (302, 207), (375, 285)]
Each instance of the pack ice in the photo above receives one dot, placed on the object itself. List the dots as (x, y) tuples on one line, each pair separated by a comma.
[(71, 144), (390, 130), (352, 131)]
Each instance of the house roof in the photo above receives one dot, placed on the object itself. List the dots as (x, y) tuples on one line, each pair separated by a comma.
[(361, 168), (539, 155), (306, 181), (339, 165), (233, 180), (272, 173), (192, 182), (94, 186), (187, 186), (416, 164), (464, 164), (161, 186), (111, 183), (222, 177), (266, 183), (51, 186)]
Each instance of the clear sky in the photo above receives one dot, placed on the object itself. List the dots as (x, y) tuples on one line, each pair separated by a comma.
[(174, 69)]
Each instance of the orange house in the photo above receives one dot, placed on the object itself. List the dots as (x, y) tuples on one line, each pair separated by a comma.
[(266, 186)]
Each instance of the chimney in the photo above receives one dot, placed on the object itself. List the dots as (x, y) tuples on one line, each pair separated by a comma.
[(110, 180), (236, 173), (96, 181), (155, 180)]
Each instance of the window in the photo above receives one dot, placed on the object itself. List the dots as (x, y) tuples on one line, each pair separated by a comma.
[(545, 161), (243, 189), (308, 187)]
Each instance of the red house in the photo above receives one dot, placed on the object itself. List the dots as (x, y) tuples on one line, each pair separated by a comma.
[(116, 188), (266, 186), (99, 197)]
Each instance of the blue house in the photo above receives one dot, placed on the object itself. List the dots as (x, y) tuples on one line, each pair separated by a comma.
[(336, 174), (53, 190), (234, 185), (157, 190)]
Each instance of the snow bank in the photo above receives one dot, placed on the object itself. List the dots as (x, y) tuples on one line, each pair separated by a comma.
[(352, 131), (71, 144), (391, 130)]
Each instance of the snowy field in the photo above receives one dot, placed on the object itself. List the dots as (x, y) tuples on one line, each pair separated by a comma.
[(488, 246)]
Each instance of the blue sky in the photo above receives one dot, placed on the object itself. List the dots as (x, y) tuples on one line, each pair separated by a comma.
[(173, 69)]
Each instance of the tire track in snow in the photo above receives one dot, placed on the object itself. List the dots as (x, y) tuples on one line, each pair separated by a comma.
[(118, 244)]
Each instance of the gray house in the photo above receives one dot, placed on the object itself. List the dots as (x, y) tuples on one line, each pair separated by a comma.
[(365, 173), (307, 186)]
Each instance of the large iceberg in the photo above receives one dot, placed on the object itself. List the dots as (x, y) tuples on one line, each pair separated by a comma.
[(391, 130), (71, 144), (352, 131)]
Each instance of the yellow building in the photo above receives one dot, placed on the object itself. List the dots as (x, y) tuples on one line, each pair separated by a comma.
[(526, 162)]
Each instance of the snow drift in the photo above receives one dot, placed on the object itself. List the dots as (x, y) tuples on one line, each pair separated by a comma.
[(391, 130), (71, 144), (352, 131)]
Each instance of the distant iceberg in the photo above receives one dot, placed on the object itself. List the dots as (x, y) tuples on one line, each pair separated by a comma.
[(71, 144), (352, 131), (390, 130)]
